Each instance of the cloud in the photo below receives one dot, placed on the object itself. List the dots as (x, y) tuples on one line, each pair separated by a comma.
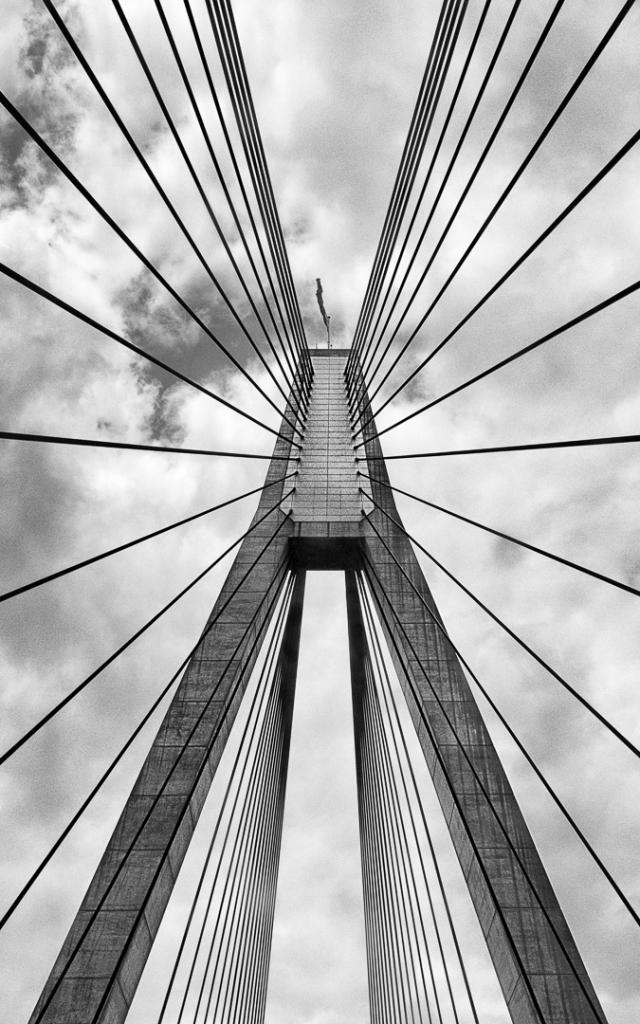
[(334, 87)]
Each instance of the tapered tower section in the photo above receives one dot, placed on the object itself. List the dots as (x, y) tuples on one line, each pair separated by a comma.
[(331, 521)]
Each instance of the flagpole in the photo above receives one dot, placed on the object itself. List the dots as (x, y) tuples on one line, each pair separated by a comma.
[(326, 319)]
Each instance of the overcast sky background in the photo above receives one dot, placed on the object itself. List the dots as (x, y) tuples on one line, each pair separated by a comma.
[(334, 86)]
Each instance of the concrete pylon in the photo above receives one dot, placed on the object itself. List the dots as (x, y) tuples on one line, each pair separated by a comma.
[(96, 974), (541, 973), (329, 523)]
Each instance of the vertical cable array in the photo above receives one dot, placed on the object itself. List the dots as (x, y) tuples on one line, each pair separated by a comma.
[(231, 58), (367, 359), (289, 353), (413, 951), (438, 61), (227, 976)]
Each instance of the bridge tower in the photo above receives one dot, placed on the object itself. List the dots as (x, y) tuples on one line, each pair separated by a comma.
[(336, 518)]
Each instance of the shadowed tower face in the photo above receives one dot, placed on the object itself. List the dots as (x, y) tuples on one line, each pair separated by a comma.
[(329, 522)]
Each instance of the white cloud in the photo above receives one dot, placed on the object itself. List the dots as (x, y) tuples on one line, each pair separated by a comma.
[(334, 87)]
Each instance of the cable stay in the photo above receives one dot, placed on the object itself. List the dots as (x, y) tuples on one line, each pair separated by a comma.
[(8, 594), (257, 809), (513, 540), (370, 350), (227, 43), (530, 760), (168, 203), (373, 370), (388, 820), (385, 688), (212, 154), (229, 29), (260, 710), (12, 435), (395, 827), (535, 446), (536, 657), (255, 845), (609, 35), (86, 194), (452, 162), (438, 63), (232, 62), (303, 366), (55, 300), (599, 307), (228, 703), (404, 180), (378, 591), (371, 575), (135, 636), (398, 188), (297, 367), (221, 178), (65, 832)]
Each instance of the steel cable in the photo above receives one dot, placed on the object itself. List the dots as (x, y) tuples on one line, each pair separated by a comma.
[(76, 817), (232, 61), (530, 760), (255, 714), (400, 185), (434, 205), (390, 703), (245, 821), (513, 540), (130, 640), (25, 587), (238, 60), (221, 179), (452, 161), (228, 704), (55, 300), (288, 349), (381, 883), (441, 67), (387, 784), (369, 356), (531, 347), (235, 882), (12, 435), (514, 950), (583, 74), (144, 163), (130, 244), (583, 442), (563, 682)]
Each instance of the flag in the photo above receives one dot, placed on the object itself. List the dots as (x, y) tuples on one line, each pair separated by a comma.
[(323, 312)]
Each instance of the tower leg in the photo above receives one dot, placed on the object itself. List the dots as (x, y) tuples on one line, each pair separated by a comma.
[(288, 671), (537, 962), (97, 972)]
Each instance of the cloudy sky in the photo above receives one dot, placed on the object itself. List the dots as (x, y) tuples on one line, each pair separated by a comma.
[(334, 85)]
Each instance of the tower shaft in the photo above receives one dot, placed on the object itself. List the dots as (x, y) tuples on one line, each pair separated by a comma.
[(328, 524)]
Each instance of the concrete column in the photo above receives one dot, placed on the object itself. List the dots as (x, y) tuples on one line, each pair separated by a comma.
[(536, 959), (113, 935)]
